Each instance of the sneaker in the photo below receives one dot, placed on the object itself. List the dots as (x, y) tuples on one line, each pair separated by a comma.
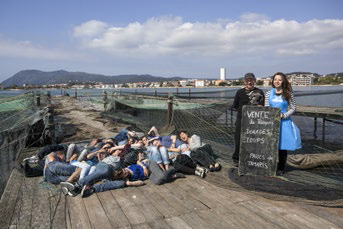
[(217, 167), (65, 191), (279, 173), (68, 185), (87, 191), (200, 173), (32, 160)]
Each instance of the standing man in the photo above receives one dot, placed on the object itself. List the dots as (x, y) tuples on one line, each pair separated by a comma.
[(249, 95)]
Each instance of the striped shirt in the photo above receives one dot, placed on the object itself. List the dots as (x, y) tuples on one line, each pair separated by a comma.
[(291, 106)]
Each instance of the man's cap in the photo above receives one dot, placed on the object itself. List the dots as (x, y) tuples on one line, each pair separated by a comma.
[(249, 76)]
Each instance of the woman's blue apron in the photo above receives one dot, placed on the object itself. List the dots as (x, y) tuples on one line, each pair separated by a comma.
[(289, 132)]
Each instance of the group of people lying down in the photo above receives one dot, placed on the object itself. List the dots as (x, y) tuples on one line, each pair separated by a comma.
[(124, 160)]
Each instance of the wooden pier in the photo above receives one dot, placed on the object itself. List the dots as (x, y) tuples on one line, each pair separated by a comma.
[(191, 202)]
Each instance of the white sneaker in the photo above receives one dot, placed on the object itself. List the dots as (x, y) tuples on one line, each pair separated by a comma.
[(200, 173), (31, 160)]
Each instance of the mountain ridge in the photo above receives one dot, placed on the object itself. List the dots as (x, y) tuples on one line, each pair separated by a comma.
[(38, 77)]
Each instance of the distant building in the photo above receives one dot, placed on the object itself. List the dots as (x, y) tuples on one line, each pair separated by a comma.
[(222, 74), (200, 83), (301, 79)]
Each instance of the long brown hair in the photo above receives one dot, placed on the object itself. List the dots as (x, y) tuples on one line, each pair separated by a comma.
[(286, 86)]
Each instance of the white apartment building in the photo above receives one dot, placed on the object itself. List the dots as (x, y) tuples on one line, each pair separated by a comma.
[(301, 79), (222, 74), (200, 83)]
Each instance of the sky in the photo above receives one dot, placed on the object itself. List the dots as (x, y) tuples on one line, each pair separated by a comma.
[(185, 38)]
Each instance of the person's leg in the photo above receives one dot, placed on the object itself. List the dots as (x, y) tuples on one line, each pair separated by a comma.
[(200, 158), (155, 155), (50, 148), (165, 156), (282, 160), (109, 185), (157, 176), (235, 156), (84, 153), (102, 171), (72, 149), (57, 172)]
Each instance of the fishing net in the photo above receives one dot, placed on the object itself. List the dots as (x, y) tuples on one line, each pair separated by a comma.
[(22, 123), (318, 166)]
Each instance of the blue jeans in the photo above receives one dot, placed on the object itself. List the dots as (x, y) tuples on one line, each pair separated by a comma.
[(57, 171), (102, 171), (158, 154), (109, 185), (121, 136)]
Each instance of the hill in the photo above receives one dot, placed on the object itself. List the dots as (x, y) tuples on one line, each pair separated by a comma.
[(37, 77)]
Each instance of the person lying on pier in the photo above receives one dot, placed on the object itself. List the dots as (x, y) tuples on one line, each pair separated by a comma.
[(156, 152), (202, 154), (39, 159), (109, 161), (122, 137), (57, 170)]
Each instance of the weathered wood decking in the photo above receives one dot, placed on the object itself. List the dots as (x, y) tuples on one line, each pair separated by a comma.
[(186, 203)]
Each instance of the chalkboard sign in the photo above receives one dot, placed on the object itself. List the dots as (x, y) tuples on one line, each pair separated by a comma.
[(259, 141)]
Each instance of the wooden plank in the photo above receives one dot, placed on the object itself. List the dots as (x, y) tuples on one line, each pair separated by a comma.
[(194, 221), (270, 217), (333, 215), (141, 226), (193, 203), (172, 199), (216, 221), (58, 201), (113, 211), (9, 198), (159, 224), (96, 213), (158, 201), (77, 213), (147, 208), (177, 223), (40, 206), (131, 211), (233, 217)]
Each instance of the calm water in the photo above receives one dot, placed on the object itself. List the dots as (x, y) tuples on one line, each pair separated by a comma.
[(325, 100)]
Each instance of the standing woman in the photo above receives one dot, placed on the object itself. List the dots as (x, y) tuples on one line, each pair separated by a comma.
[(281, 96)]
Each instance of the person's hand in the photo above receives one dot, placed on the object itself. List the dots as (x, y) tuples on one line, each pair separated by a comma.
[(145, 171), (184, 150)]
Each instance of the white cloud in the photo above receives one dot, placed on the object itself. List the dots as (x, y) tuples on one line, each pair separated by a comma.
[(253, 34), (90, 29), (26, 50)]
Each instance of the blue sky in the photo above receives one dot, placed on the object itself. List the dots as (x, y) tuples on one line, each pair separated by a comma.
[(191, 38)]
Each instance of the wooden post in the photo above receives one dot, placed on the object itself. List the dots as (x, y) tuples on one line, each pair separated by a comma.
[(155, 92), (75, 93), (170, 110), (226, 117), (231, 116), (323, 136), (189, 94), (315, 128), (105, 100), (177, 91), (38, 98)]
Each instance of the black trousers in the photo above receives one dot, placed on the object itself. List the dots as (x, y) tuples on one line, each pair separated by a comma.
[(282, 160), (184, 164), (204, 156), (235, 155)]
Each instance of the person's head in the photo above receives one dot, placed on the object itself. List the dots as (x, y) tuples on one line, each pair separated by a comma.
[(156, 142), (249, 81), (60, 154), (280, 81), (107, 140), (183, 135), (144, 140), (107, 146), (121, 174)]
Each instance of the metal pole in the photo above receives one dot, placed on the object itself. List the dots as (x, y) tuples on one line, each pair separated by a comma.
[(105, 100), (315, 128), (170, 109), (155, 92), (75, 93), (38, 98), (189, 93), (323, 134)]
